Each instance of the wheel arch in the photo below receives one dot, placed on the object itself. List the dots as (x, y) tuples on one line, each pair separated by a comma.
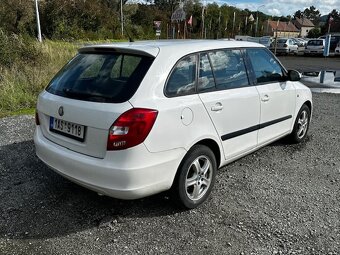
[(213, 145), (309, 104)]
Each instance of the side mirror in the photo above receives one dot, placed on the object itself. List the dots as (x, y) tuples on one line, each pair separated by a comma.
[(294, 75)]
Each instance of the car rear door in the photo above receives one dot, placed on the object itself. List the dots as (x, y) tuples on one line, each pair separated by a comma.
[(277, 95), (231, 102)]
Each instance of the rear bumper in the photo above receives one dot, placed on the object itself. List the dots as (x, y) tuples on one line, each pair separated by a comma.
[(282, 50), (313, 51), (126, 174)]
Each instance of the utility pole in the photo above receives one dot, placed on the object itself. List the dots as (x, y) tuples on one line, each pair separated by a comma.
[(257, 19), (121, 17), (38, 21), (233, 35)]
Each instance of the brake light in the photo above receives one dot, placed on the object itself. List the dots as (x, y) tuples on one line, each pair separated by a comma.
[(131, 128), (37, 122), (285, 45)]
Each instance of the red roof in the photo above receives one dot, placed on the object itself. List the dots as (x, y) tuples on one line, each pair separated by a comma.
[(282, 26), (303, 22)]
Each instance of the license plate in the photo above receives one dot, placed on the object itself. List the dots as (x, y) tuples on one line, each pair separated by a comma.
[(67, 128)]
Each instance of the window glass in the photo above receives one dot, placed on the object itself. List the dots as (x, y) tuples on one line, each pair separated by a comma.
[(315, 42), (124, 66), (229, 69), (111, 77), (182, 79), (206, 80), (265, 66), (93, 69), (281, 40)]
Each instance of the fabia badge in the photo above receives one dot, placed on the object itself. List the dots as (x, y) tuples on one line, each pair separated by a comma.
[(61, 111)]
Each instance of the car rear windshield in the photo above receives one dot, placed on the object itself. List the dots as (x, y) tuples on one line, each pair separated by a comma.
[(282, 40), (104, 77), (315, 42)]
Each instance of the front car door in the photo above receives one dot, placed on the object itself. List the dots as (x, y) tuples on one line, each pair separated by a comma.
[(277, 95)]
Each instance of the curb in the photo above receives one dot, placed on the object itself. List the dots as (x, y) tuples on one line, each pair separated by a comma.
[(326, 90)]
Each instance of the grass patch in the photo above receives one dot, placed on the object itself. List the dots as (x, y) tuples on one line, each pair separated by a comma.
[(32, 67)]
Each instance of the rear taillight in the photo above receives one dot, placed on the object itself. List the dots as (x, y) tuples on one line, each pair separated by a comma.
[(285, 45), (131, 128), (37, 122)]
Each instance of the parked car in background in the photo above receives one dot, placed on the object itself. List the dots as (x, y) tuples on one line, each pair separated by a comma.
[(285, 46), (130, 120), (335, 39), (315, 46), (337, 49), (300, 41)]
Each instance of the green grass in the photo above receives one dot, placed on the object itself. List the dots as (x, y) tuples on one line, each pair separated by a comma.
[(21, 83)]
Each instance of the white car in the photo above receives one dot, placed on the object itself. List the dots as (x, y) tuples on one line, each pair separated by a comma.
[(133, 119), (286, 46), (315, 46)]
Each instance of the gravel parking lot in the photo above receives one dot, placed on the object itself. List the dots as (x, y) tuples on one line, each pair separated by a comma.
[(283, 199)]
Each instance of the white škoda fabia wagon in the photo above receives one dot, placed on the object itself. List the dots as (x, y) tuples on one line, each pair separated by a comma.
[(133, 119)]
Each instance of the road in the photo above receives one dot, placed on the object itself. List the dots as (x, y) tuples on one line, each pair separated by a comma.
[(282, 199)]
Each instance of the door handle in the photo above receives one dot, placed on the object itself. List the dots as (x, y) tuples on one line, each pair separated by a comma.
[(265, 98), (217, 107)]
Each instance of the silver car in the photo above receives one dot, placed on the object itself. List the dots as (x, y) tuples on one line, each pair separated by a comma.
[(285, 46)]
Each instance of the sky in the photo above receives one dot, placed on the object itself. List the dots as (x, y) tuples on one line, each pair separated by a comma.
[(282, 7)]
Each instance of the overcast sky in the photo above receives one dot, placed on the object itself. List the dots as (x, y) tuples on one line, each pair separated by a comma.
[(283, 7)]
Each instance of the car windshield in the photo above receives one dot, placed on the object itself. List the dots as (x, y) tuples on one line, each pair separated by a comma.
[(104, 77)]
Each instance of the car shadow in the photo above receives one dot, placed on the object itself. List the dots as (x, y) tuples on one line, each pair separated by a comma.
[(38, 203)]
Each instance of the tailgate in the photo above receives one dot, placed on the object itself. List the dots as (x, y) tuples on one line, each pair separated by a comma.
[(92, 119)]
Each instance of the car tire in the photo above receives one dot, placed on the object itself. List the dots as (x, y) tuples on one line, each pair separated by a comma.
[(195, 177), (301, 125)]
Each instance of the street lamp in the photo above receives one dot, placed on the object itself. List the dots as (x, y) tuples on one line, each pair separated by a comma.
[(257, 18)]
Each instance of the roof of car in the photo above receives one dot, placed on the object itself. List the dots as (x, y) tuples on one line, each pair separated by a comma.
[(152, 48)]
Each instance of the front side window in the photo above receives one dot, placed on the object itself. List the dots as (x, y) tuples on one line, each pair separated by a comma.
[(229, 69), (265, 66), (182, 80), (111, 77)]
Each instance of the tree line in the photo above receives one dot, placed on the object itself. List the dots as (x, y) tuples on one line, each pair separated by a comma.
[(100, 19)]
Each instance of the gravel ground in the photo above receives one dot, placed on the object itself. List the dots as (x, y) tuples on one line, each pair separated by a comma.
[(283, 199)]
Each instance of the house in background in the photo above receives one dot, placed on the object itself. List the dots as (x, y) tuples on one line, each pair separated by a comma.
[(304, 25), (280, 29)]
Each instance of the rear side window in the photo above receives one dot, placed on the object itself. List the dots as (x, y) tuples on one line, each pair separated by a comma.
[(229, 69), (182, 80), (265, 66), (111, 77)]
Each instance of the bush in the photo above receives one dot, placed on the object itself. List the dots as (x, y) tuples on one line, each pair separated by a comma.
[(26, 67)]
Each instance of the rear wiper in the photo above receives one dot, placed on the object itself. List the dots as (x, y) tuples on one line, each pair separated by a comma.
[(81, 95), (71, 92)]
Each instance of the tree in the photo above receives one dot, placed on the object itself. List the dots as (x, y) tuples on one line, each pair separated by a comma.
[(313, 14), (314, 33), (297, 14), (17, 16)]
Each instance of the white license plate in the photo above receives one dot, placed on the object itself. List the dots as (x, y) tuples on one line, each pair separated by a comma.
[(67, 128)]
